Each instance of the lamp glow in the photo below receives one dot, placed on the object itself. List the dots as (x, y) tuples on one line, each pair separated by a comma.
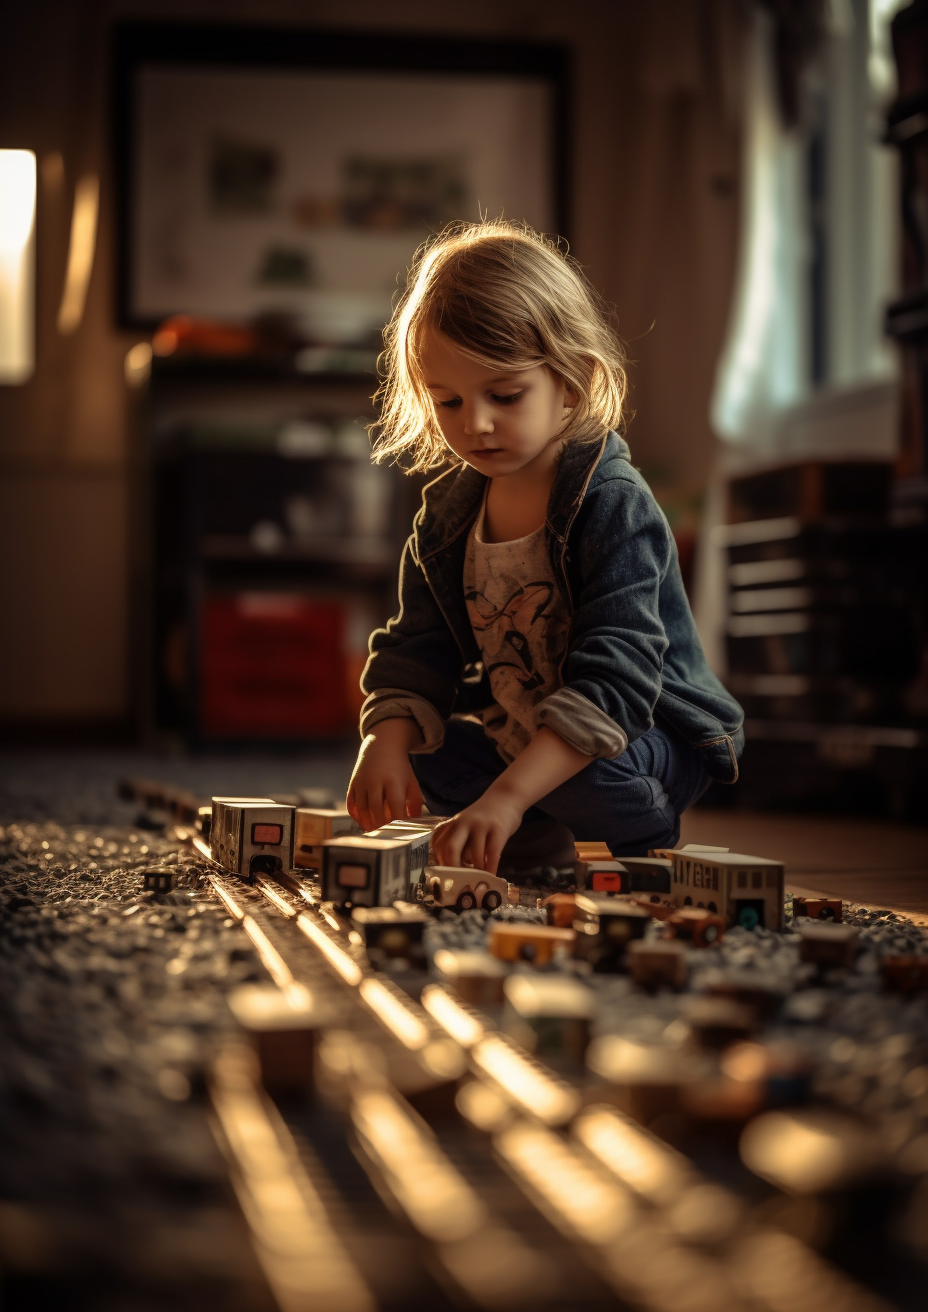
[(17, 265)]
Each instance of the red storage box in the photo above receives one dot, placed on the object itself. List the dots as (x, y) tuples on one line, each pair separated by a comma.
[(272, 666)]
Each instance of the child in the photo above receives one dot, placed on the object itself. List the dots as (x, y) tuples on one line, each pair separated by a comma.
[(540, 586)]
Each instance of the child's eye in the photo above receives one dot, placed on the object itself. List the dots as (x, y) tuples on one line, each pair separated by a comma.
[(449, 405), (506, 400)]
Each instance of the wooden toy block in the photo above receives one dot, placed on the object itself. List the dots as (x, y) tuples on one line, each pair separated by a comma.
[(158, 881), (656, 964), (476, 977), (282, 1026), (391, 933), (818, 908), (828, 945), (550, 1015), (560, 909), (696, 926), (511, 940)]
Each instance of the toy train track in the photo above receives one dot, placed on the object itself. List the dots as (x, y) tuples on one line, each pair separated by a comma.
[(522, 1186)]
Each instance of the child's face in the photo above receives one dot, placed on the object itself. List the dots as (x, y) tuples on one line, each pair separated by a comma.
[(501, 423)]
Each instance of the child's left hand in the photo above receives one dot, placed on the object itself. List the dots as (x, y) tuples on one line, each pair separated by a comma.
[(477, 835)]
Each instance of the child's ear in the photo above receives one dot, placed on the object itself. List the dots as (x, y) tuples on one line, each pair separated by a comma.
[(571, 398)]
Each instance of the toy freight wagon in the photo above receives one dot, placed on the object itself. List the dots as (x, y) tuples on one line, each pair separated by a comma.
[(417, 840), (746, 890), (314, 825), (251, 836), (362, 870)]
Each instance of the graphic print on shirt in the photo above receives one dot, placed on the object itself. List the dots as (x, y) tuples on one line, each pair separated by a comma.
[(517, 635)]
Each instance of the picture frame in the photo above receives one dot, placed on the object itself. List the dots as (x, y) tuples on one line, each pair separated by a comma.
[(263, 170)]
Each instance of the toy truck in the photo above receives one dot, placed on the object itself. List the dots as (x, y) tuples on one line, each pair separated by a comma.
[(464, 887), (363, 870), (746, 890), (251, 836), (315, 824)]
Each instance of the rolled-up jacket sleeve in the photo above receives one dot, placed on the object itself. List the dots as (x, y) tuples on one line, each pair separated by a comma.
[(414, 667), (575, 719), (620, 549)]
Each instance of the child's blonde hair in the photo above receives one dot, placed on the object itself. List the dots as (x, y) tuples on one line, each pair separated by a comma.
[(507, 296)]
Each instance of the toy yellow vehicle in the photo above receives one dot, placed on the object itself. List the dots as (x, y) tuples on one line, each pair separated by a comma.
[(464, 887)]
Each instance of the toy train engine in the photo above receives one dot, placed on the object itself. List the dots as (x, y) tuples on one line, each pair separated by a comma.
[(314, 825), (417, 839), (605, 926), (746, 890), (361, 870), (251, 836), (650, 875)]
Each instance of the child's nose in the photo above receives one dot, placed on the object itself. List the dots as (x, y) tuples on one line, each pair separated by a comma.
[(477, 420)]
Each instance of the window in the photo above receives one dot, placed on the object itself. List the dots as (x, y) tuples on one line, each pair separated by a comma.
[(772, 879), (742, 879), (272, 834), (697, 874), (352, 876), (715, 878), (757, 878)]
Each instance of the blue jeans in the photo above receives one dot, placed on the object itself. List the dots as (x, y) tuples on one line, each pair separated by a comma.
[(633, 803)]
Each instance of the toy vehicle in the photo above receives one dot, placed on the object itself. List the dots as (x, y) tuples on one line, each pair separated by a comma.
[(464, 887), (550, 1015), (648, 874), (417, 840), (251, 836), (314, 824), (818, 908), (656, 964), (512, 940), (696, 925), (361, 870), (560, 909), (607, 877), (745, 890), (605, 926), (391, 933)]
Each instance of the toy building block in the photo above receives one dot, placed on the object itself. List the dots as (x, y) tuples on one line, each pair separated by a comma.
[(605, 926), (560, 909), (476, 977), (391, 933), (607, 877), (827, 945), (464, 887), (158, 881), (282, 1025), (550, 1015), (512, 940), (656, 964), (315, 824), (593, 852), (718, 1022), (818, 908), (746, 890), (764, 994), (904, 973), (644, 1080), (648, 874), (696, 926)]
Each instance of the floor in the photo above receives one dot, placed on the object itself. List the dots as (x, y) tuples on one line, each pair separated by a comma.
[(873, 862)]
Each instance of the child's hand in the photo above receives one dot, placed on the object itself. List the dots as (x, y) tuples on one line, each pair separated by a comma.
[(477, 835), (383, 786)]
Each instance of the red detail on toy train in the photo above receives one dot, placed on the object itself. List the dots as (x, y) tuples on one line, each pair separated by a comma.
[(272, 670), (267, 834)]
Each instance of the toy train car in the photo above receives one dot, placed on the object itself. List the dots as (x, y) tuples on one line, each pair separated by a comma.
[(314, 825), (251, 836), (746, 890), (369, 870)]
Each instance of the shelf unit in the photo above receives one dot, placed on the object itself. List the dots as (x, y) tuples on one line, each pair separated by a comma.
[(267, 549)]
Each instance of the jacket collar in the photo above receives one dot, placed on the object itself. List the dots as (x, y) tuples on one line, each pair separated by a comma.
[(450, 503)]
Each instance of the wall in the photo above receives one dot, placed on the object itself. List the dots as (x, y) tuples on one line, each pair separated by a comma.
[(654, 163)]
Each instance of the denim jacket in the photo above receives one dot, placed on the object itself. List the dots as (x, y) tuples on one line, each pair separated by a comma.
[(633, 656)]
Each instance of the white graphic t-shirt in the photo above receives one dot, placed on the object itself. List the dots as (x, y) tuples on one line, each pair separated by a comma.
[(520, 621)]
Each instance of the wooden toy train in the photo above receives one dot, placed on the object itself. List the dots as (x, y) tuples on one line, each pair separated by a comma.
[(258, 836)]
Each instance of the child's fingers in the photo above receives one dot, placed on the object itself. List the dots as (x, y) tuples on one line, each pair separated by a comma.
[(414, 799)]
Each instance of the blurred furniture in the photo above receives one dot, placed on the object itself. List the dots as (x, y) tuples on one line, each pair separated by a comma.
[(826, 637), (268, 550)]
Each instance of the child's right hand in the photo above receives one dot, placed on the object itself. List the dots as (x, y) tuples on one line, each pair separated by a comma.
[(383, 786)]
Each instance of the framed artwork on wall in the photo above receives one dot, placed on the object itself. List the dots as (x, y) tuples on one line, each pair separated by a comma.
[(271, 169)]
